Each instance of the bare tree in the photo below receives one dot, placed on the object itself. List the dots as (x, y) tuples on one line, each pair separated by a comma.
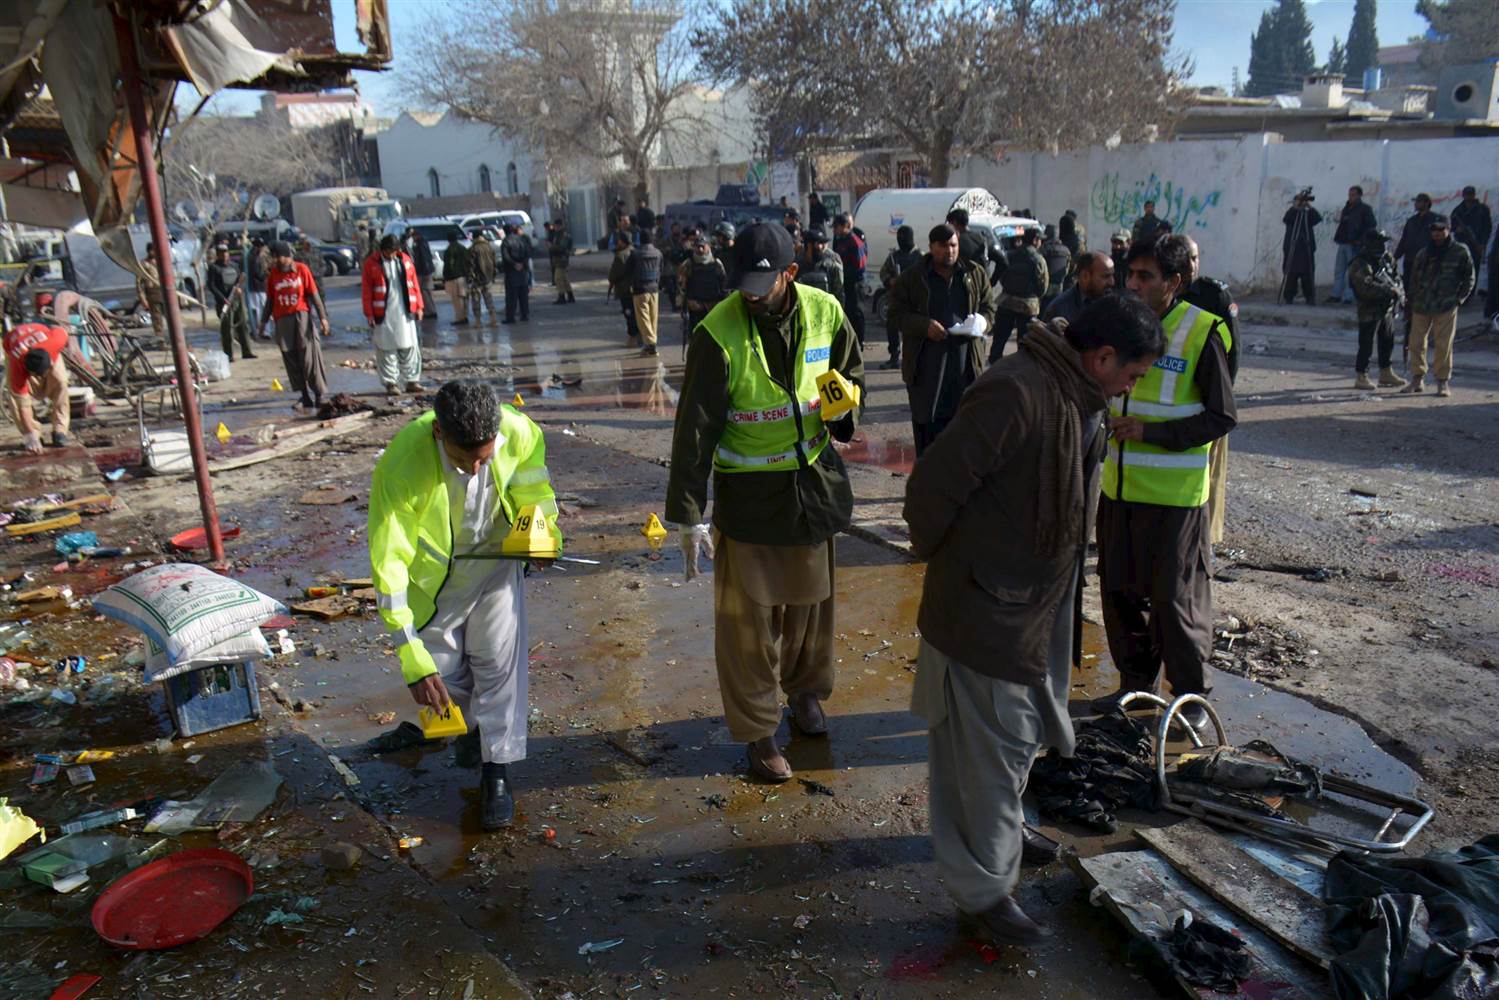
[(951, 78), (589, 85), (219, 163)]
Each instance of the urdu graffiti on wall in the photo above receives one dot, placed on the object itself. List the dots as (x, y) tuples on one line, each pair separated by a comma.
[(1120, 204)]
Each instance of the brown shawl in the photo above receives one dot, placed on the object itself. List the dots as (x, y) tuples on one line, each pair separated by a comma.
[(1059, 522)]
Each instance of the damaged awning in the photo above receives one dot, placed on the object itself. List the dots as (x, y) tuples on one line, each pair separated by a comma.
[(69, 47)]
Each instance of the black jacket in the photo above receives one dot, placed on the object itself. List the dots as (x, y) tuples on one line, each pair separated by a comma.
[(221, 281), (1353, 223)]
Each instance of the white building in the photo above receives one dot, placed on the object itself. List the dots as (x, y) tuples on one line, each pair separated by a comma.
[(431, 154)]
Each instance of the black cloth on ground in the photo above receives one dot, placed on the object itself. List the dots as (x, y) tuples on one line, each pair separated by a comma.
[(1113, 767), (1415, 927)]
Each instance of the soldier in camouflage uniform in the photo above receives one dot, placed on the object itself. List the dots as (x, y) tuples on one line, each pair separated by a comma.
[(1441, 280), (1378, 291)]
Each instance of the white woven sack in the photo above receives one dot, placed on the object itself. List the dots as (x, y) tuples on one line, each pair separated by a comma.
[(185, 608), (249, 645)]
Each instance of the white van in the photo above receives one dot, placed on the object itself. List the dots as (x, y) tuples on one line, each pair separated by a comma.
[(884, 210)]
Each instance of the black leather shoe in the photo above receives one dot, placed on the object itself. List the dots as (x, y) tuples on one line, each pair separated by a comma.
[(890, 364), (496, 803), (1037, 848), (1109, 703), (466, 750), (1006, 923), (807, 714)]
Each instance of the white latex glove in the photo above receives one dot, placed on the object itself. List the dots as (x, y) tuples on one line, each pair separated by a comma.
[(696, 540), (32, 442), (972, 325)]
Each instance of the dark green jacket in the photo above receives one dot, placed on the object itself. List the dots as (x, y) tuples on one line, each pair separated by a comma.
[(803, 506), (1441, 280), (908, 313), (1376, 286), (455, 261)]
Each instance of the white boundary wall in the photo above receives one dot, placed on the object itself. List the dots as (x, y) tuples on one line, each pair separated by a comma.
[(1230, 194)]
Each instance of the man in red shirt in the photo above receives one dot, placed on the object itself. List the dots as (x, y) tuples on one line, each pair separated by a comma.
[(292, 294), (34, 366)]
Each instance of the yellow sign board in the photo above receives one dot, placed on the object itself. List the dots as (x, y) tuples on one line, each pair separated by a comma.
[(839, 395)]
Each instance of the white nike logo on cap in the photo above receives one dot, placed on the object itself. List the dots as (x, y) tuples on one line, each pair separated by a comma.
[(762, 262)]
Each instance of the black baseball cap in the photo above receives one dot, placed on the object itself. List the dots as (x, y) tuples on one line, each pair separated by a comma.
[(761, 252), (816, 236), (1439, 221)]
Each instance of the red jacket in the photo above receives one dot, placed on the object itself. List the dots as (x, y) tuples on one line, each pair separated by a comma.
[(375, 293), (290, 291), (21, 341)]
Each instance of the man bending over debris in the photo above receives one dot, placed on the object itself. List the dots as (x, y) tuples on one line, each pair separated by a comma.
[(34, 367), (443, 497), (997, 607)]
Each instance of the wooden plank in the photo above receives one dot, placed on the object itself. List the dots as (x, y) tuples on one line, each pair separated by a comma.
[(1294, 918), (36, 527), (1143, 891), (290, 445), (328, 608)]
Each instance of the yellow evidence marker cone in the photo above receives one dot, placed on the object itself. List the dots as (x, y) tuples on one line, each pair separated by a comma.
[(222, 433), (530, 537), (276, 385), (654, 532), (436, 725), (839, 395), (518, 402)]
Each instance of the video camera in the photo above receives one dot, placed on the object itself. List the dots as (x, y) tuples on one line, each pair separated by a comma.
[(1305, 194)]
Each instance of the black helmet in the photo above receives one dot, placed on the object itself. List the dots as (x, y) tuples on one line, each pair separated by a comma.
[(1374, 241), (724, 229)]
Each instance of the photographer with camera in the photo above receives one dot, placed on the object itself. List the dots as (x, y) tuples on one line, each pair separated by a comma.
[(1299, 250)]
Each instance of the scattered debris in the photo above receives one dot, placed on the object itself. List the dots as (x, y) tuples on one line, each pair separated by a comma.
[(594, 947), (816, 787), (1258, 650)]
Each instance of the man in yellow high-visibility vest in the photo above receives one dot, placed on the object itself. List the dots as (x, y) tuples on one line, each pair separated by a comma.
[(1154, 548), (751, 411)]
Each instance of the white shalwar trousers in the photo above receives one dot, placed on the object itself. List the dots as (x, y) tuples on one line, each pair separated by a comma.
[(478, 641)]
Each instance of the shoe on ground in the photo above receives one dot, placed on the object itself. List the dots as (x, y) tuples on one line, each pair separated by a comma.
[(649, 351), (1362, 380), (461, 322), (1006, 923), (767, 762), (496, 801), (560, 301), (415, 387), (1389, 380), (890, 364), (60, 439), (466, 750), (1416, 385), (1109, 703), (1444, 387), (391, 389), (571, 298), (507, 322), (248, 357), (1036, 848), (1194, 716), (807, 715)]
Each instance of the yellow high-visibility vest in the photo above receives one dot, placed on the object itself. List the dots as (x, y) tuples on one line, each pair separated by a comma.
[(1147, 473), (770, 429)]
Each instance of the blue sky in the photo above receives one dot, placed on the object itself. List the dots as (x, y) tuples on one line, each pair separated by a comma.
[(1214, 33)]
